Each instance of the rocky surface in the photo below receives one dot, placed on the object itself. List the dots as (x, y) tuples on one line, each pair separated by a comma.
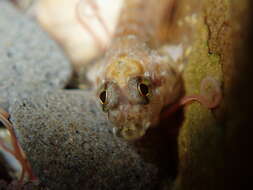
[(215, 145), (201, 155), (71, 146), (30, 61)]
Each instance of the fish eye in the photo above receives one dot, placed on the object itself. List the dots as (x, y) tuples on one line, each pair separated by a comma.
[(143, 89), (108, 95), (103, 96)]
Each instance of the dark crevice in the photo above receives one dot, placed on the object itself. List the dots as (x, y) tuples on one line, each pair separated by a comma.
[(160, 146), (73, 82)]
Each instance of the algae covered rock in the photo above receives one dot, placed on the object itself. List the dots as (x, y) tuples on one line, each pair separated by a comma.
[(214, 145)]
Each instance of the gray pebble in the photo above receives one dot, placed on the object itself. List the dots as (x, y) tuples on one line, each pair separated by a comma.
[(30, 62), (70, 145)]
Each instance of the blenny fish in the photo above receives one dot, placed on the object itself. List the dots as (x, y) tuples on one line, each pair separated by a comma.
[(139, 76), (138, 81)]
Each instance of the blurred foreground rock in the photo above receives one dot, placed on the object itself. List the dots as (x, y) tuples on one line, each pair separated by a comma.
[(71, 146), (77, 41), (30, 61)]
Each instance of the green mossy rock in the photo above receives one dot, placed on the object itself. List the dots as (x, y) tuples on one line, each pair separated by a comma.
[(214, 145)]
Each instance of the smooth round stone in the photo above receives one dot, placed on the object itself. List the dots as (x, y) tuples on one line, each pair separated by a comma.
[(70, 145)]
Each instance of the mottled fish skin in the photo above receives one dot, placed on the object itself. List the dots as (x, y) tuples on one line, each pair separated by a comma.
[(134, 81)]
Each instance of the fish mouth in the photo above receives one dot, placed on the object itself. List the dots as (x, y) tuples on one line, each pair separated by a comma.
[(131, 132)]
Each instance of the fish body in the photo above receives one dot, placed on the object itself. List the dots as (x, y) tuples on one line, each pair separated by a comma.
[(135, 81)]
